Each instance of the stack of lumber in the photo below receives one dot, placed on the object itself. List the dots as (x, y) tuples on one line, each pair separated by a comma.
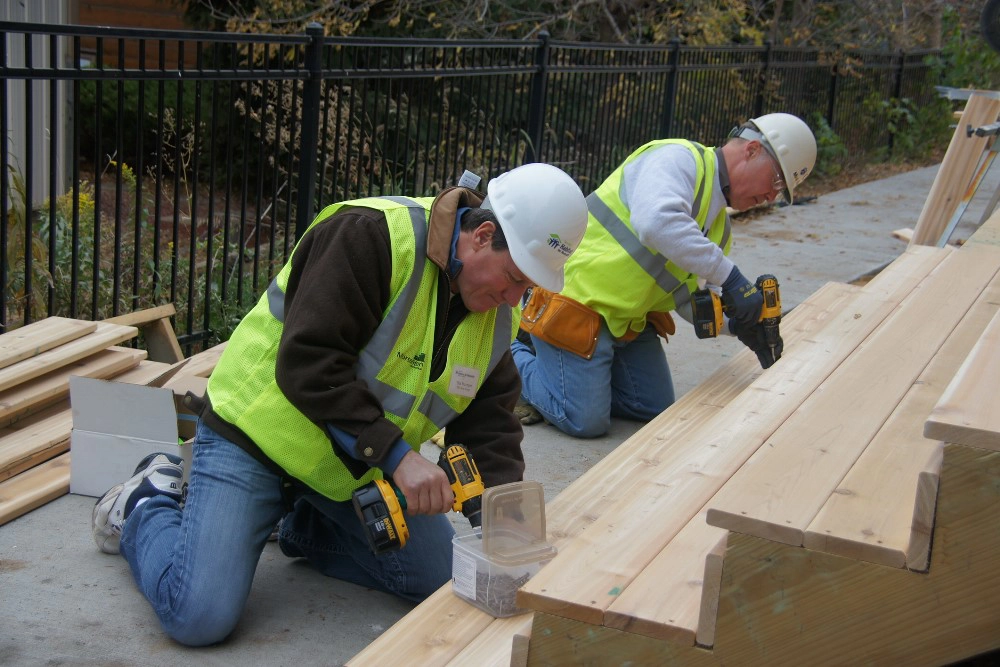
[(36, 362), (799, 511)]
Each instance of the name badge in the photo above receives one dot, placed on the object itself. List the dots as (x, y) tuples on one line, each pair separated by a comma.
[(463, 381)]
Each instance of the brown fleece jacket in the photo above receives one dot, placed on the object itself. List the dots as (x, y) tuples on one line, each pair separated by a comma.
[(338, 288)]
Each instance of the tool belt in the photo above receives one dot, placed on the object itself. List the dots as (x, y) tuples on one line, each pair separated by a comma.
[(561, 321), (574, 327), (661, 321)]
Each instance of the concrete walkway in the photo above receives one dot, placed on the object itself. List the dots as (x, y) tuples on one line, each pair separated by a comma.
[(64, 603)]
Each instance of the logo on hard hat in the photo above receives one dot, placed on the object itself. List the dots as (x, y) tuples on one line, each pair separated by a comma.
[(556, 243)]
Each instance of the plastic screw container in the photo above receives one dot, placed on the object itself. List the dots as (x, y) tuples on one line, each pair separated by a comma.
[(489, 565)]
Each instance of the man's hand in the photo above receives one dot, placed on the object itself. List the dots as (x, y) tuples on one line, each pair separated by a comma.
[(742, 300), (424, 484), (755, 339)]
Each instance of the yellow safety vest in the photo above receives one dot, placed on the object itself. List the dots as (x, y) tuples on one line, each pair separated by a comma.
[(613, 273), (395, 363)]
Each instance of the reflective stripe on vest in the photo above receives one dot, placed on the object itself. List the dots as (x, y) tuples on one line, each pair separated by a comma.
[(650, 261), (374, 355)]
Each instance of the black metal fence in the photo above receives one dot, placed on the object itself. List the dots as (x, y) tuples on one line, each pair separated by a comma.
[(135, 179)]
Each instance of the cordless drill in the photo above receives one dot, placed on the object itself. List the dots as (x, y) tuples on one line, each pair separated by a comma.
[(380, 506), (708, 308)]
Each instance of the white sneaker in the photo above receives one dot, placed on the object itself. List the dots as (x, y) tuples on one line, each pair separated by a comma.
[(157, 474)]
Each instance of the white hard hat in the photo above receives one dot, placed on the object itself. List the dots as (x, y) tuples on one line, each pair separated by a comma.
[(791, 142), (543, 215)]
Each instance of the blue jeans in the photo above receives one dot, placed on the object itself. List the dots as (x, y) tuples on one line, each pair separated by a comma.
[(196, 565), (579, 396)]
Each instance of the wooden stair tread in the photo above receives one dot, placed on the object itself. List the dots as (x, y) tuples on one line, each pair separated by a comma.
[(589, 573), (781, 488), (968, 412)]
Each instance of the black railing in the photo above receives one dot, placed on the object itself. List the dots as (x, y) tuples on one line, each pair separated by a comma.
[(135, 178)]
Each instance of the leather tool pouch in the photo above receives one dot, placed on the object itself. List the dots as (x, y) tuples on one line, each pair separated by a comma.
[(561, 321), (661, 321)]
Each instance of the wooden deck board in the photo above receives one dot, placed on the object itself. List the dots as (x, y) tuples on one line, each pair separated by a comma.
[(592, 570), (969, 409), (782, 487), (882, 512)]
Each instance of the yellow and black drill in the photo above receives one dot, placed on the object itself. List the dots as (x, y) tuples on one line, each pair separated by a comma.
[(380, 506), (707, 309)]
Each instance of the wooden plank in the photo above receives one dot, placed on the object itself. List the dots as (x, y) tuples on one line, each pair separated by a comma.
[(494, 646), (781, 488), (144, 373), (882, 511), (593, 569), (780, 603), (20, 401), (988, 233), (35, 441), (37, 337), (956, 172), (580, 503), (969, 410), (871, 511), (104, 335), (612, 478), (19, 495), (665, 601), (435, 632), (203, 363), (557, 642), (157, 331)]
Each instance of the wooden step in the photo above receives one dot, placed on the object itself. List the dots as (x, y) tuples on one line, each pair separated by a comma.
[(969, 409), (780, 489), (882, 512), (592, 570)]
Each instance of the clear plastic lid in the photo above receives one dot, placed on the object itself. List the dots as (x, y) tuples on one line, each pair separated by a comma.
[(514, 524)]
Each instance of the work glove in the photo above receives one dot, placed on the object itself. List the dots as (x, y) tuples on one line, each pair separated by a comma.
[(741, 300), (755, 339)]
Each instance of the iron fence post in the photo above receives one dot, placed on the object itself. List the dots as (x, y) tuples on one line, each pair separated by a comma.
[(758, 106), (309, 151), (834, 85), (536, 105), (670, 95)]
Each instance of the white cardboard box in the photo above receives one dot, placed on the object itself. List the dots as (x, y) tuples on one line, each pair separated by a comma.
[(116, 424)]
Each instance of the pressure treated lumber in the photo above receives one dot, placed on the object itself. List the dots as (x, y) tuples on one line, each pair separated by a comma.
[(592, 570), (882, 511), (104, 335), (956, 172), (33, 488), (37, 337), (421, 633), (44, 390), (969, 410), (780, 489), (784, 605)]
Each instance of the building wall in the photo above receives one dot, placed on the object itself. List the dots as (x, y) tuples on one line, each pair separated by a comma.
[(43, 129)]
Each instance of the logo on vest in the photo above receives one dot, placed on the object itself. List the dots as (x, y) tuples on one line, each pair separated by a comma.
[(416, 362), (557, 244)]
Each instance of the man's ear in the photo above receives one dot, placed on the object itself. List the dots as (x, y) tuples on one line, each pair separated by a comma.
[(483, 234)]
